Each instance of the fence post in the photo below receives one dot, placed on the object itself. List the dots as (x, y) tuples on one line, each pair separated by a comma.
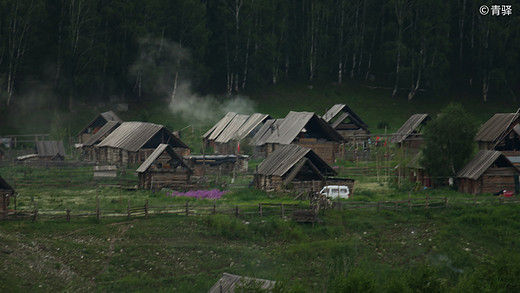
[(260, 209), (128, 209), (146, 209), (35, 217), (236, 211), (283, 211), (378, 206), (426, 206), (500, 200), (446, 202), (187, 208), (97, 208), (68, 215), (214, 206)]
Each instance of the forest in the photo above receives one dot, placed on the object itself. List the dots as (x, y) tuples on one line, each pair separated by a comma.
[(140, 51)]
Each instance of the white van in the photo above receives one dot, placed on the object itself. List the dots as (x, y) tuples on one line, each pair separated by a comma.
[(335, 191)]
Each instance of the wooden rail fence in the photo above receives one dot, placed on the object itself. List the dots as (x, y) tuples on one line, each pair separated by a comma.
[(299, 212)]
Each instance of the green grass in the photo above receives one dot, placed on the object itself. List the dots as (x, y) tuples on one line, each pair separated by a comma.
[(444, 250)]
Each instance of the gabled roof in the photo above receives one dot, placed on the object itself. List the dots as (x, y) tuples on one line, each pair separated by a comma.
[(132, 136), (229, 283), (266, 131), (294, 123), (50, 148), (105, 130), (496, 126), (156, 153), (279, 162), (480, 163), (234, 127), (346, 113), (107, 116), (409, 127), (4, 185)]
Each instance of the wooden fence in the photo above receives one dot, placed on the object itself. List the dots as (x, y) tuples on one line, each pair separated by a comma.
[(146, 210), (299, 212), (424, 203)]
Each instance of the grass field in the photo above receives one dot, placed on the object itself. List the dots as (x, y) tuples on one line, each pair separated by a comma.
[(452, 250)]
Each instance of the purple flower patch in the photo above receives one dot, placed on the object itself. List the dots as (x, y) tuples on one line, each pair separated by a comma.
[(199, 194)]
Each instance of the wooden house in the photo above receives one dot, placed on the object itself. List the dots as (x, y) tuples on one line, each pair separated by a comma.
[(293, 167), (164, 168), (132, 143), (217, 164), (305, 129), (488, 172), (233, 129), (96, 124), (47, 150), (410, 134), (88, 148), (229, 283), (6, 192), (501, 133), (347, 123)]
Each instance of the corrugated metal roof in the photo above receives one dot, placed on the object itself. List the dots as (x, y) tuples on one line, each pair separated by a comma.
[(252, 122), (409, 127), (4, 185), (230, 131), (285, 157), (271, 125), (234, 127), (497, 125), (294, 123), (215, 131), (156, 153), (228, 283), (132, 136), (336, 109), (479, 164), (105, 130), (50, 148)]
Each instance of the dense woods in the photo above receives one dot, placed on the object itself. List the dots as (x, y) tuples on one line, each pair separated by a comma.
[(133, 50)]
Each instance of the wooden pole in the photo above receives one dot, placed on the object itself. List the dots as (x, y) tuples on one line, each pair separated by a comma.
[(187, 210), (35, 217), (97, 208), (146, 209), (260, 209), (68, 215), (283, 211), (128, 209), (236, 211)]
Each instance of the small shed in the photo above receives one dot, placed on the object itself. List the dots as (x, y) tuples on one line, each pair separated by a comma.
[(488, 172), (347, 123), (229, 283), (233, 128), (164, 168), (417, 173), (88, 147), (501, 133), (293, 167), (410, 133), (6, 192), (305, 129), (133, 142), (217, 164), (96, 124), (47, 150)]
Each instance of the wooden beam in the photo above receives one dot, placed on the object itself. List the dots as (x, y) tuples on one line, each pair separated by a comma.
[(295, 171)]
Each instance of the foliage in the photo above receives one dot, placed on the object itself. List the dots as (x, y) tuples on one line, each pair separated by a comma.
[(448, 142)]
